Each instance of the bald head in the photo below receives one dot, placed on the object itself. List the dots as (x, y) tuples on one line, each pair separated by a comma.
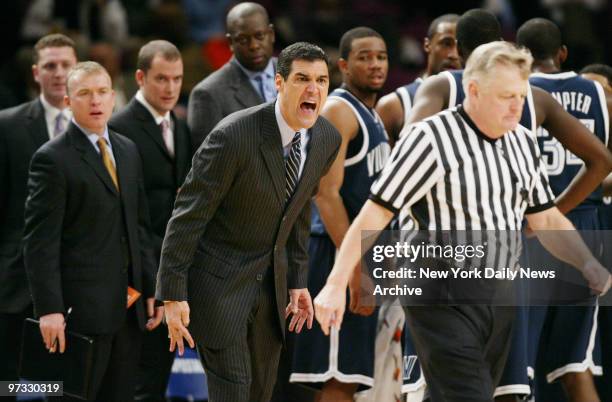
[(250, 35), (244, 10)]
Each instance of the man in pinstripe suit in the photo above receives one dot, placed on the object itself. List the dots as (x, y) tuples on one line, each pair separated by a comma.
[(237, 241)]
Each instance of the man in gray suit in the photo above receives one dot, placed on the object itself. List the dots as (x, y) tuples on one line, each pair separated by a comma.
[(244, 81), (236, 244)]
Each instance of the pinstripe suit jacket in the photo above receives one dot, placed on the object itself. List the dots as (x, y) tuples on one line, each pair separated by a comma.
[(230, 223)]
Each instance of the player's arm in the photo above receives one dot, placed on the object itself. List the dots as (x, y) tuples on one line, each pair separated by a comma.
[(330, 303), (607, 183), (574, 136), (328, 199), (391, 112), (430, 98), (560, 238)]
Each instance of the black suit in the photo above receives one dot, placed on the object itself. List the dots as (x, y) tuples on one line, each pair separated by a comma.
[(233, 247), (220, 94), (85, 242), (163, 175), (22, 131)]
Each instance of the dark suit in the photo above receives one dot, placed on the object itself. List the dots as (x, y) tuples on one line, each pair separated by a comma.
[(22, 131), (222, 93), (85, 242), (233, 248), (163, 175)]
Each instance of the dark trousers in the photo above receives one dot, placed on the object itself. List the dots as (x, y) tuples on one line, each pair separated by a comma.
[(246, 370), (154, 367), (462, 349), (115, 363), (11, 331)]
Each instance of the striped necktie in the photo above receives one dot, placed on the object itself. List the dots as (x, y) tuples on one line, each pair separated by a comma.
[(108, 162), (292, 166)]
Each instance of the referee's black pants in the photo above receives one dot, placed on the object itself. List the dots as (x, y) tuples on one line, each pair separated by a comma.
[(462, 349)]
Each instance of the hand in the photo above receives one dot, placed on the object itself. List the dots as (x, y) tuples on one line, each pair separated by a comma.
[(361, 293), (329, 306), (300, 305), (597, 276), (155, 314), (177, 318), (52, 331)]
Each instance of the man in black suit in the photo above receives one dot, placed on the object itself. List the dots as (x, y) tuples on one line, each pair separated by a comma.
[(23, 129), (244, 81), (165, 151), (86, 236), (236, 244)]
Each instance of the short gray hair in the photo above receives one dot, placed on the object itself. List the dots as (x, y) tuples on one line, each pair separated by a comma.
[(486, 57), (85, 68)]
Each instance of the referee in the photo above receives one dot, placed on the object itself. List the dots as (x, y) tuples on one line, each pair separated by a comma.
[(463, 169)]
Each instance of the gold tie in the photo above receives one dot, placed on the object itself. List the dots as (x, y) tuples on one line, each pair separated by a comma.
[(108, 163)]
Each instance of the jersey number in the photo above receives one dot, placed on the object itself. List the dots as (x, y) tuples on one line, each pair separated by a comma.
[(555, 156)]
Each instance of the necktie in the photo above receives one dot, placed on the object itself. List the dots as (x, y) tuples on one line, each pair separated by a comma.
[(292, 166), (108, 163), (259, 79), (167, 136), (60, 124)]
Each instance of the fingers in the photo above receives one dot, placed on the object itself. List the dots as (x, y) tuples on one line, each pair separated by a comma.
[(52, 331), (150, 307), (310, 316), (154, 321), (185, 313), (323, 316), (62, 341), (177, 334)]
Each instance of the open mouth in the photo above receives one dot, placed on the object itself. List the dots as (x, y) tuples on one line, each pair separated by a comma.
[(96, 114), (308, 106)]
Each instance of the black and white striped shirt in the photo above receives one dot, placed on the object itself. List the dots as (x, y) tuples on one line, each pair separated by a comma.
[(454, 177)]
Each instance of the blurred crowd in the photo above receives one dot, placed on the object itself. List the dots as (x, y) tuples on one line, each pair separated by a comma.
[(112, 31)]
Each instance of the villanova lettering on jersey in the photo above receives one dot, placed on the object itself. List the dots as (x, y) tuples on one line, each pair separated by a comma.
[(366, 156)]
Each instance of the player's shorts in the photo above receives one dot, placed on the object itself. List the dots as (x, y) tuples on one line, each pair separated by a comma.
[(347, 355)]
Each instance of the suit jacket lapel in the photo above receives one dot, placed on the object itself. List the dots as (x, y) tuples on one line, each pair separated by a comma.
[(243, 90), (149, 126), (121, 163), (90, 156), (181, 144), (36, 124), (272, 151)]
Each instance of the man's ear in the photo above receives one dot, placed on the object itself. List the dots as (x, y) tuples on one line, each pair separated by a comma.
[(278, 81), (426, 45), (342, 65), (562, 54), (139, 75)]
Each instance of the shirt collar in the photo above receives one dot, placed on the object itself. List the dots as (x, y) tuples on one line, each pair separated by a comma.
[(156, 116), (268, 71), (93, 137), (287, 133), (51, 111)]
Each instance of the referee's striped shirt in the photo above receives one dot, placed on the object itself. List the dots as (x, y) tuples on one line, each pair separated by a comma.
[(453, 177)]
